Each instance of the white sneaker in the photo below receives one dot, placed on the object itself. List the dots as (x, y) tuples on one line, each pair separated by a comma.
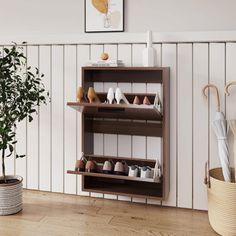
[(134, 171), (146, 172)]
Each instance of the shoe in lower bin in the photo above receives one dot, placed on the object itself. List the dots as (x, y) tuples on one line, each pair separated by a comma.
[(146, 172), (91, 166), (134, 171), (108, 167), (80, 164), (121, 168)]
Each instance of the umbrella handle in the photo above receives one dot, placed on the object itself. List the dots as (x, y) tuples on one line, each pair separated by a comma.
[(207, 175), (227, 87), (217, 94)]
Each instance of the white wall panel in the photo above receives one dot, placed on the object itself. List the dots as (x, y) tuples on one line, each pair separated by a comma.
[(32, 131), (230, 101), (217, 77), (53, 140), (45, 122), (57, 97), (184, 120), (169, 59), (70, 82), (200, 125)]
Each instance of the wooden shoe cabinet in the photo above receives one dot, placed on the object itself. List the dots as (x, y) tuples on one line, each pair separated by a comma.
[(128, 120)]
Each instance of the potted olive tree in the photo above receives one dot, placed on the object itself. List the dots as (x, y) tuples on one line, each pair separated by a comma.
[(21, 92)]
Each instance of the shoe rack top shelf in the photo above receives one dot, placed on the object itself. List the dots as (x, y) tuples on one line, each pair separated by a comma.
[(111, 176), (117, 111), (124, 74)]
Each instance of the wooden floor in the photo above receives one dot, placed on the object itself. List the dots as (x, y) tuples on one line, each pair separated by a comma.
[(47, 214)]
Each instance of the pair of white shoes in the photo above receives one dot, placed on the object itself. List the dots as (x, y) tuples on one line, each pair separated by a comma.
[(118, 96), (142, 172)]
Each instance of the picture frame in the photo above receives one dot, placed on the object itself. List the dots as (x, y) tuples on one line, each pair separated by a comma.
[(103, 16)]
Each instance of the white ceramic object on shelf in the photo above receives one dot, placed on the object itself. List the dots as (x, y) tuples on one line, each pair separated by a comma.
[(149, 52)]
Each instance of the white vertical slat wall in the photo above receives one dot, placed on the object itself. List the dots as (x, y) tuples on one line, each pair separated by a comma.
[(52, 142), (45, 125), (184, 125), (58, 115), (200, 123), (33, 131)]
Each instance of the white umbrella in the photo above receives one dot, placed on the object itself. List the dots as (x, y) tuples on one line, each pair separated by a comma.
[(232, 125), (219, 125)]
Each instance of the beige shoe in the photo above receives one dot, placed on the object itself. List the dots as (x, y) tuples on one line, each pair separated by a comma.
[(121, 168), (108, 167)]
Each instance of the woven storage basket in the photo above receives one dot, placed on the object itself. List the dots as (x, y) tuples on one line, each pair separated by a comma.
[(221, 203), (11, 196)]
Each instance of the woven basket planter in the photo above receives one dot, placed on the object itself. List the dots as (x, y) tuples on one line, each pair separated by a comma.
[(11, 196), (221, 203)]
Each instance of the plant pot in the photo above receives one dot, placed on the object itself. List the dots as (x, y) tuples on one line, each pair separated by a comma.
[(11, 195)]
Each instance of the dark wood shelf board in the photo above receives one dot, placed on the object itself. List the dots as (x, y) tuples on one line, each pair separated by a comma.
[(117, 111), (125, 68), (124, 127), (110, 176)]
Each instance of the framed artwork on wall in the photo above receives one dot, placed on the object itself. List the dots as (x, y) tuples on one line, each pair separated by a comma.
[(104, 16)]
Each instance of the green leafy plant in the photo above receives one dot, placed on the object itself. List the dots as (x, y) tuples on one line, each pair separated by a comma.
[(21, 92)]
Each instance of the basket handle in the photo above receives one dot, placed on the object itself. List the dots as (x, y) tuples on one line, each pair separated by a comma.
[(207, 178)]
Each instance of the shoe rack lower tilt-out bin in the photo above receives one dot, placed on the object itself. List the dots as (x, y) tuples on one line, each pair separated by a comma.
[(127, 120)]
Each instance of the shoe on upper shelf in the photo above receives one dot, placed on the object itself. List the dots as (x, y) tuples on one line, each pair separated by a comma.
[(136, 100), (80, 96), (119, 96), (92, 96), (110, 95), (146, 101), (157, 102)]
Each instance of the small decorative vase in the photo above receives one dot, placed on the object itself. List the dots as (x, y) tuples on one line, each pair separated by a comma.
[(149, 52)]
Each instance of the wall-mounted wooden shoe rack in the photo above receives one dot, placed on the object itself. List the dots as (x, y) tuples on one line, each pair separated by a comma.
[(125, 119)]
